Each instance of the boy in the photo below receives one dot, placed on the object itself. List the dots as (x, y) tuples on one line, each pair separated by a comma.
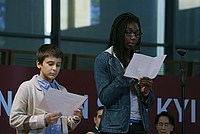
[(25, 116), (97, 119)]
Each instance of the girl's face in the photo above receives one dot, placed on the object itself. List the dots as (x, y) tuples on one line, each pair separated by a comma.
[(132, 35), (50, 68)]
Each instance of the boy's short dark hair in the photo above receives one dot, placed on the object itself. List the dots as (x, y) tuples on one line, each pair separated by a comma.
[(47, 50), (166, 114), (99, 108)]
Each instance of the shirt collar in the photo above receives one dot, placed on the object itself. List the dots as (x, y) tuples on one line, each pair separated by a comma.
[(44, 84), (110, 50)]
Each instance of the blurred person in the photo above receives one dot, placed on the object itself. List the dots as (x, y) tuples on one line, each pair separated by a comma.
[(97, 119), (164, 123)]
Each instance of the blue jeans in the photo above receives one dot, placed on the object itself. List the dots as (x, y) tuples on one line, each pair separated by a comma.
[(134, 128)]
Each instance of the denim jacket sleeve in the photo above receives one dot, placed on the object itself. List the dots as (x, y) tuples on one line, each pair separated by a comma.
[(110, 82), (149, 100)]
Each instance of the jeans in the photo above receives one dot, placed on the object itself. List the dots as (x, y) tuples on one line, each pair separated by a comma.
[(134, 128)]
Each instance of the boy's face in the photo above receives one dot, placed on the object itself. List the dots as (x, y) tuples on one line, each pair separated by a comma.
[(97, 119), (50, 68)]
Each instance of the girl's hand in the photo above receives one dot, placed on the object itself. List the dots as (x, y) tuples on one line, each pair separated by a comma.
[(146, 84)]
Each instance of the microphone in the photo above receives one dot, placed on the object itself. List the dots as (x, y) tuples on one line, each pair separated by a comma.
[(181, 52)]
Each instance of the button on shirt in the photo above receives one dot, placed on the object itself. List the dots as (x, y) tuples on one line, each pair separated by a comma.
[(45, 85)]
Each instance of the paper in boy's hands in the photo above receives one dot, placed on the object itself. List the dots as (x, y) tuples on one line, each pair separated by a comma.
[(60, 101), (144, 66)]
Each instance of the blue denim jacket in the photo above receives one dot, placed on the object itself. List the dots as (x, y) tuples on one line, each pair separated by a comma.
[(113, 92)]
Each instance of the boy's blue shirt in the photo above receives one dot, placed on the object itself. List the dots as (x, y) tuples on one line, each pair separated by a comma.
[(45, 85)]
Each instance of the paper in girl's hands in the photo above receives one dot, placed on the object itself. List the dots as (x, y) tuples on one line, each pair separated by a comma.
[(60, 101), (144, 66)]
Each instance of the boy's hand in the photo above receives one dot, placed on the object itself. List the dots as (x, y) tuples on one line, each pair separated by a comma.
[(77, 115), (52, 118)]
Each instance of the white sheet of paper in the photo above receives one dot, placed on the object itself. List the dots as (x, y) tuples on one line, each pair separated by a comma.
[(144, 66), (60, 101)]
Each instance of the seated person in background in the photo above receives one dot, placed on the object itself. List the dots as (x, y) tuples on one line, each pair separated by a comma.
[(97, 119), (164, 123)]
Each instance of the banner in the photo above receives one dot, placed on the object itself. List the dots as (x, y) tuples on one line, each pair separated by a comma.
[(167, 90)]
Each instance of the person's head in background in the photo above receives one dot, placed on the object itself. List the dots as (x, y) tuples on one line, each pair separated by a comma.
[(164, 122), (48, 60), (97, 116), (125, 36)]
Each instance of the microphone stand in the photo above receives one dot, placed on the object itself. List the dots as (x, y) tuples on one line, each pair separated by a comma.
[(182, 52)]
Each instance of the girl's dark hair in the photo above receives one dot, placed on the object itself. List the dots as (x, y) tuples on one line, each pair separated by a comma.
[(47, 50), (117, 35), (166, 114)]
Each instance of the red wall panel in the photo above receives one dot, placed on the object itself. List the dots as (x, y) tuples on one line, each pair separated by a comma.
[(167, 91)]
